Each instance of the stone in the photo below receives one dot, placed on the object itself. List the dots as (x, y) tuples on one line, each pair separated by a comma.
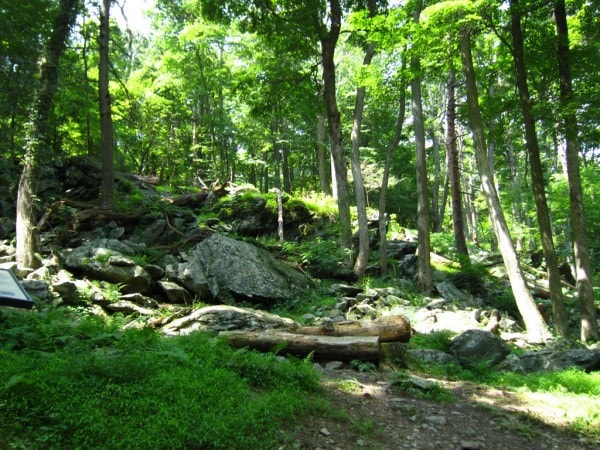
[(451, 293), (429, 356), (235, 269), (140, 300), (475, 346), (226, 318), (512, 363), (127, 307), (108, 260), (175, 293), (71, 292)]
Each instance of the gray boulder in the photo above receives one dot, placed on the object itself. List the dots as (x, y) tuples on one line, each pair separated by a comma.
[(226, 318), (553, 361), (108, 260), (175, 293), (451, 293), (582, 358), (232, 269), (477, 347), (431, 356)]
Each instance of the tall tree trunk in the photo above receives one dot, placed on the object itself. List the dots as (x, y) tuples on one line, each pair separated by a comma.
[(286, 173), (328, 43), (468, 180), (532, 317), (454, 171), (383, 219), (360, 265), (424, 277), (516, 191), (86, 79), (38, 145), (537, 175), (436, 209), (323, 158), (106, 125), (589, 324)]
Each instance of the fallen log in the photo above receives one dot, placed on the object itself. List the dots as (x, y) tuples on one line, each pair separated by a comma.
[(388, 329), (345, 348)]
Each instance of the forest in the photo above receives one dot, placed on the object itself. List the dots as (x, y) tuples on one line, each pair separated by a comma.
[(469, 128), (474, 119)]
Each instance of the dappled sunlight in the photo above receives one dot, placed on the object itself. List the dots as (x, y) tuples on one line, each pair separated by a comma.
[(500, 417), (560, 410)]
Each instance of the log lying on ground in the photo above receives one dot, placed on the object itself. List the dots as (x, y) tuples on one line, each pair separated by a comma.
[(366, 340), (345, 348), (388, 329)]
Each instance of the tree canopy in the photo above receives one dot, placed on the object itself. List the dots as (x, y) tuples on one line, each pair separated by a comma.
[(237, 91)]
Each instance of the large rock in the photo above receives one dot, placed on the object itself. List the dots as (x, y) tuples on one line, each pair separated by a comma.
[(551, 361), (107, 260), (225, 318), (475, 347), (236, 270), (431, 356)]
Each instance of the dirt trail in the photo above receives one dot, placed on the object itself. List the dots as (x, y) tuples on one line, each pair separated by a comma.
[(379, 415)]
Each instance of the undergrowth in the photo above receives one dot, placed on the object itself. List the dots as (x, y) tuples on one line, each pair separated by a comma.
[(72, 382)]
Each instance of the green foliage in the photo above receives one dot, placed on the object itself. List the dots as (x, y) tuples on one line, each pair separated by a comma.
[(321, 255), (108, 291), (573, 381), (362, 366), (443, 244), (471, 278), (425, 389), (130, 197), (240, 205), (436, 340), (78, 382), (313, 301)]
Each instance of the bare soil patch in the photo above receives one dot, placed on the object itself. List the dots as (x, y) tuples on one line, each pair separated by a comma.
[(376, 414)]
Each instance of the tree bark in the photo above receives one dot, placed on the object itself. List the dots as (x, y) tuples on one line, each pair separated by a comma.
[(388, 329), (424, 276), (106, 125), (454, 172), (38, 138), (323, 158), (328, 44), (533, 320), (383, 218), (583, 267), (437, 217), (537, 175), (346, 348), (360, 265)]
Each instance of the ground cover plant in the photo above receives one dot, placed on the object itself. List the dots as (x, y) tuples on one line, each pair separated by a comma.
[(72, 382), (573, 394)]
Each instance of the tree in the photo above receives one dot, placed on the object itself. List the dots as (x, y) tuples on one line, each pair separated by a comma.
[(589, 324), (323, 157), (532, 317), (424, 268), (454, 171), (328, 39), (106, 124), (25, 26), (38, 140), (537, 174), (360, 265), (383, 217)]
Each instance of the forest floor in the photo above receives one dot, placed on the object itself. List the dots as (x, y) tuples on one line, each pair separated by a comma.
[(376, 414)]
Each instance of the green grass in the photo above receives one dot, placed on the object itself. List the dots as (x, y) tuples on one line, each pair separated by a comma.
[(574, 392), (67, 382)]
